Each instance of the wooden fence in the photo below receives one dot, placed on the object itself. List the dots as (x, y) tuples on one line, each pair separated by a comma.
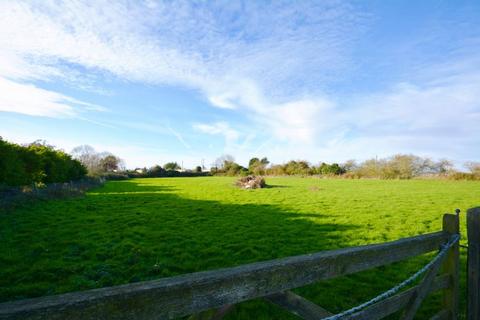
[(211, 294)]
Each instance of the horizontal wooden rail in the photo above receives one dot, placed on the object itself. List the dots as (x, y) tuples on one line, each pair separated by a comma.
[(298, 305), (442, 315), (397, 302), (183, 295)]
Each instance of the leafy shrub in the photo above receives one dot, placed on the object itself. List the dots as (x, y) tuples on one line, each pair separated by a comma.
[(258, 166), (171, 166), (276, 170), (329, 169), (36, 163), (229, 168), (300, 167)]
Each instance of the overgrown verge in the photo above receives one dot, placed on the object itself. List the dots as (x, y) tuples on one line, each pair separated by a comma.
[(11, 197)]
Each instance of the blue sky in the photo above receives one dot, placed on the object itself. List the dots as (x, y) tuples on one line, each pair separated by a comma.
[(189, 81)]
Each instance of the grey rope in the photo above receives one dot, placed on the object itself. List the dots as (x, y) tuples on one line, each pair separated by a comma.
[(397, 288)]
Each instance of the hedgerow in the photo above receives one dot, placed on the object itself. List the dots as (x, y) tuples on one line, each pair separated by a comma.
[(36, 163)]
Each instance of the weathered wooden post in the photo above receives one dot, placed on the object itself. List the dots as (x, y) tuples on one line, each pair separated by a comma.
[(473, 264), (451, 296)]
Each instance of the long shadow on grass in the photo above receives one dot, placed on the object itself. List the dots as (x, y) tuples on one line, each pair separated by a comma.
[(271, 186), (186, 235), (127, 232)]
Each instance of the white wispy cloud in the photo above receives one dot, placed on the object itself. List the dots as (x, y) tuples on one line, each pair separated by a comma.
[(230, 135), (234, 58), (30, 100), (438, 119), (302, 121)]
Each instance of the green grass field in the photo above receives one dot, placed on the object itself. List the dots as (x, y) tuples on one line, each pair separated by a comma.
[(142, 229)]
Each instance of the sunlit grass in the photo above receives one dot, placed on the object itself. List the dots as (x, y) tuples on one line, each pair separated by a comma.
[(144, 229)]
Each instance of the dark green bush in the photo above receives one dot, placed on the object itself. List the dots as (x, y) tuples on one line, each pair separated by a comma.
[(329, 169), (36, 163)]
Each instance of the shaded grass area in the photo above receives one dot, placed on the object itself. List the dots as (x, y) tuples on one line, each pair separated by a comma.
[(142, 229)]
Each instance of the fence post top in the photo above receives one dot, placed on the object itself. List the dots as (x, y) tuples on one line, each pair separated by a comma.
[(451, 223), (474, 210)]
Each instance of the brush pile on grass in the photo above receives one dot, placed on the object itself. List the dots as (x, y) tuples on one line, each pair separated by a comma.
[(251, 182)]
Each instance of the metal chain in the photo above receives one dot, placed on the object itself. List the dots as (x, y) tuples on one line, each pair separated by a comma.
[(444, 248)]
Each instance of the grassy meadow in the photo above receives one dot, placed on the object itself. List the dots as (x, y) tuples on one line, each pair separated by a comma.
[(141, 229)]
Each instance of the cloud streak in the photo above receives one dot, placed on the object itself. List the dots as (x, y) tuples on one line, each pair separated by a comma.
[(230, 135), (233, 58), (30, 100)]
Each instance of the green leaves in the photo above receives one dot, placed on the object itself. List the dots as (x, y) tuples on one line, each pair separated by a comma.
[(36, 163)]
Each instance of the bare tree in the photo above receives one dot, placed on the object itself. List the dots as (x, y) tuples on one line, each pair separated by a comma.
[(350, 165), (88, 157), (97, 162), (220, 161), (444, 166), (473, 167), (110, 163)]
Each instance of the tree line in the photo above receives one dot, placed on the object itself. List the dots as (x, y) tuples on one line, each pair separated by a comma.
[(109, 166), (226, 165), (37, 163), (169, 169), (400, 166)]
